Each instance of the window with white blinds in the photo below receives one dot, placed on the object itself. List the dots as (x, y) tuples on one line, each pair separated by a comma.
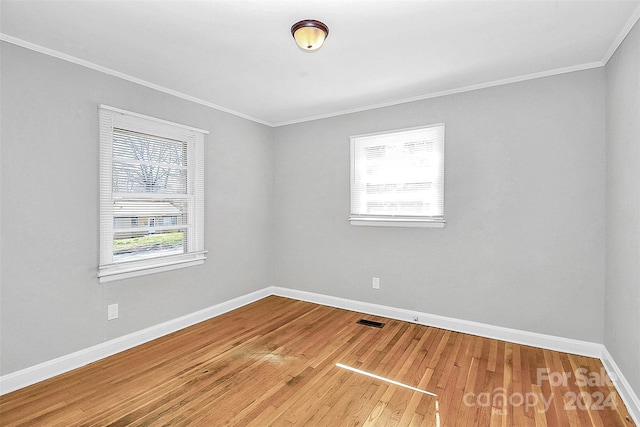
[(397, 178), (151, 195)]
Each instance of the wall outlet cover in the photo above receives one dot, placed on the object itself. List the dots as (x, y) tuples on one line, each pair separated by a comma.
[(112, 311)]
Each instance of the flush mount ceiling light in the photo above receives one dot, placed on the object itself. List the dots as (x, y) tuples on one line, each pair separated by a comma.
[(309, 34)]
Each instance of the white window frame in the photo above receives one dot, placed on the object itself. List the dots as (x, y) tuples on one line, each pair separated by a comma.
[(110, 118), (360, 216)]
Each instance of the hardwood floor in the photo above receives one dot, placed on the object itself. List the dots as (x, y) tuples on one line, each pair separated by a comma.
[(273, 362)]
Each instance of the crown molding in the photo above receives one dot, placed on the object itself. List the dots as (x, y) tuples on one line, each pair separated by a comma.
[(485, 85), (622, 35), (614, 46), (56, 54)]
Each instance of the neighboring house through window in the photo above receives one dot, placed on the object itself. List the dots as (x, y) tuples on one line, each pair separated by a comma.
[(397, 178), (151, 195)]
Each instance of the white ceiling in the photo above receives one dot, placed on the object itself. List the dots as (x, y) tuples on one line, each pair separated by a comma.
[(239, 56)]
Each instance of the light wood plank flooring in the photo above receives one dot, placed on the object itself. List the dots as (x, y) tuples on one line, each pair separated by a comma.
[(273, 362)]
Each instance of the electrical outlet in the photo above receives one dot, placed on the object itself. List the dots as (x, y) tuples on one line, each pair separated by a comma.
[(112, 311), (376, 283)]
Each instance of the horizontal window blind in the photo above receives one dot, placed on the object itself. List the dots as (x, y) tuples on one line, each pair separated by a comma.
[(144, 163), (398, 175)]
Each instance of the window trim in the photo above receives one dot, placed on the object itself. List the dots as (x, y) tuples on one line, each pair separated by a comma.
[(110, 117), (397, 222), (391, 220)]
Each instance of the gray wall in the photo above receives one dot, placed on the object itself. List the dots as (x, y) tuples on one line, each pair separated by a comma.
[(622, 302), (52, 303), (526, 192), (524, 202)]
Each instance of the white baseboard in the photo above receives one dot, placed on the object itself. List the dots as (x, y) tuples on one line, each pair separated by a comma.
[(51, 368), (627, 394), (550, 342), (566, 345)]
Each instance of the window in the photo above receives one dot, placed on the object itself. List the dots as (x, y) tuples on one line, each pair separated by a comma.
[(151, 195), (397, 178)]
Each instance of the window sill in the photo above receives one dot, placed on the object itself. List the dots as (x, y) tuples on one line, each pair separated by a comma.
[(112, 272), (397, 222)]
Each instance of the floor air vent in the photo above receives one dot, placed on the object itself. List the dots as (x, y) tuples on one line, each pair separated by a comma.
[(370, 323)]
